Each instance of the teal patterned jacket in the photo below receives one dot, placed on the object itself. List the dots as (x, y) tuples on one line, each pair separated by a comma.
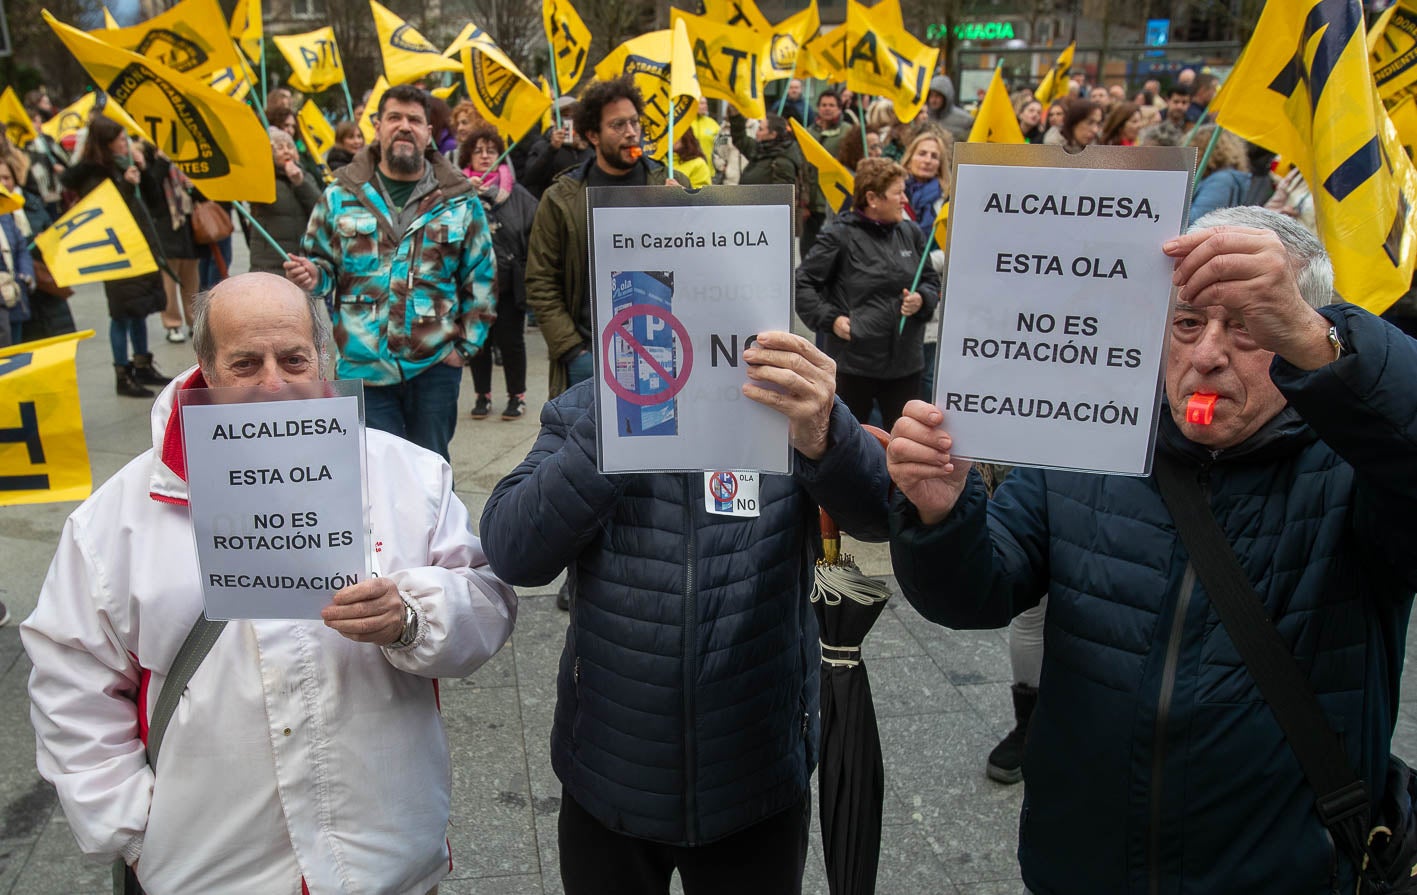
[(400, 302)]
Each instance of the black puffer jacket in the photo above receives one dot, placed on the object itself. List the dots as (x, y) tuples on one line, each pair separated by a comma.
[(857, 269), (686, 704), (1153, 763), (510, 221), (134, 296)]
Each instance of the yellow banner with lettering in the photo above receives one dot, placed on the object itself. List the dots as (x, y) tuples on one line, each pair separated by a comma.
[(18, 126), (191, 38), (315, 130), (1056, 83), (729, 60), (837, 184), (248, 29), (43, 455), (886, 60), (824, 56), (215, 140), (502, 94), (570, 42), (1302, 88), (74, 117), (408, 55), (96, 240), (646, 60), (315, 63)]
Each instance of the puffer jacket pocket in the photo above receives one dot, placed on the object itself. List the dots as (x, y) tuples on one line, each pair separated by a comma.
[(437, 251)]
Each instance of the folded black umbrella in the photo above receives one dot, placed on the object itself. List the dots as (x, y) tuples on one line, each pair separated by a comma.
[(850, 776)]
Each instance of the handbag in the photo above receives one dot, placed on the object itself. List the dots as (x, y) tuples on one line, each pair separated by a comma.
[(210, 223), (1384, 854), (44, 281)]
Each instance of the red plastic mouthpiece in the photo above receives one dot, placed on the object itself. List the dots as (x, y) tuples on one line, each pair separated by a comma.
[(1200, 409)]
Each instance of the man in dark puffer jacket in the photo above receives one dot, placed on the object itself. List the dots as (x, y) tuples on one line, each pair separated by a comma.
[(1153, 763), (686, 712)]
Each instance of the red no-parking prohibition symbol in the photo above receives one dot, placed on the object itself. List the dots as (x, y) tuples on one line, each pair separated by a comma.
[(616, 327), (724, 486)]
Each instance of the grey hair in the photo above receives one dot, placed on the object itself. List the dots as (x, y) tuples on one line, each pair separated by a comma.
[(279, 136), (1314, 269), (204, 343)]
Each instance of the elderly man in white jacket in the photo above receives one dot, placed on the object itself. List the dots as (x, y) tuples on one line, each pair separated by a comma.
[(302, 757)]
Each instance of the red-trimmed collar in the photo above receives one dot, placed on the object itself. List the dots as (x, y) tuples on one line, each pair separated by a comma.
[(173, 455)]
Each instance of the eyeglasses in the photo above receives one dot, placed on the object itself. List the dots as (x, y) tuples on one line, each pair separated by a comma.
[(623, 125)]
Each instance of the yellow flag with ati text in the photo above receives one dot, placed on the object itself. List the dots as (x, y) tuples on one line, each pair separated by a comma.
[(729, 59), (408, 55), (995, 121), (886, 60), (502, 94), (570, 42), (18, 126), (43, 455), (646, 60), (232, 82), (248, 29), (788, 38), (1056, 83), (744, 13), (1302, 89), (1392, 50), (315, 130), (215, 140), (191, 38), (315, 63), (369, 123), (96, 240), (824, 55), (837, 184), (74, 117)]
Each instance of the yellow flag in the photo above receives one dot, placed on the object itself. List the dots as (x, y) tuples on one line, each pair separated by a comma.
[(43, 456), (1056, 83), (824, 56), (683, 74), (315, 130), (75, 117), (729, 59), (570, 41), (788, 38), (109, 21), (96, 240), (743, 13), (646, 60), (18, 126), (315, 63), (502, 94), (408, 55), (886, 60), (942, 225), (213, 139), (1302, 88), (369, 124), (1404, 117), (11, 201), (995, 122), (445, 93), (191, 38), (837, 184), (232, 82), (248, 29)]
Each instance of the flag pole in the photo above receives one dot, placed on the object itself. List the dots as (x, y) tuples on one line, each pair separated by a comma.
[(670, 151), (1205, 157), (506, 152), (556, 84), (920, 268), (264, 92), (348, 100), (782, 100), (862, 104), (241, 207)]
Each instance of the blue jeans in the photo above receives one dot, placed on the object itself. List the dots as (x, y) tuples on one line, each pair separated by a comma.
[(423, 409), (580, 368), (206, 267), (121, 331)]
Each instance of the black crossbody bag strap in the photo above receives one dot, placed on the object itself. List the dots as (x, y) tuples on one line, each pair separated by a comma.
[(1342, 798)]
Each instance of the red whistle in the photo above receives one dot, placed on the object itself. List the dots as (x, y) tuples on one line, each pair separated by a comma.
[(635, 153), (1200, 409)]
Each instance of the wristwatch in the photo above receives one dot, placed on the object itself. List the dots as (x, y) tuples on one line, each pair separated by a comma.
[(410, 628), (1335, 342)]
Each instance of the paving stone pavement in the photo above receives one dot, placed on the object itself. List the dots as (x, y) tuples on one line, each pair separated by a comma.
[(941, 696)]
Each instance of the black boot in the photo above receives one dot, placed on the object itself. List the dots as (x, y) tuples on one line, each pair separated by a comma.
[(127, 386), (145, 373), (1006, 761)]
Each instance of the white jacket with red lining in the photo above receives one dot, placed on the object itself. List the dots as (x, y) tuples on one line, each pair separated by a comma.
[(297, 760)]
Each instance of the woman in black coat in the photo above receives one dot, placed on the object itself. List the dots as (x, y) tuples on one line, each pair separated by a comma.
[(108, 155), (855, 287)]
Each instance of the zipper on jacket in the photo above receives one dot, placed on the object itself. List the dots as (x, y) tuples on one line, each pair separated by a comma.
[(1163, 712), (691, 823)]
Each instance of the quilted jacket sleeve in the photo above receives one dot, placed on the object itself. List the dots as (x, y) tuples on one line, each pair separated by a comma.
[(985, 562), (544, 513), (850, 481), (1364, 406)]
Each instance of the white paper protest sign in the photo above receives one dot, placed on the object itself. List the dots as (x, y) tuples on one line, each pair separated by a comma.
[(276, 484), (1056, 305), (681, 284)]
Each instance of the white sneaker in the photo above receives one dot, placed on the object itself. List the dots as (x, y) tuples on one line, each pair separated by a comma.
[(175, 334)]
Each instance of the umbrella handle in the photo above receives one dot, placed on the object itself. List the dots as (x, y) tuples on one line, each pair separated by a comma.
[(831, 533)]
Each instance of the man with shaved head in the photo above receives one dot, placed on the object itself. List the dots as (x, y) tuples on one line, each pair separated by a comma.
[(302, 756)]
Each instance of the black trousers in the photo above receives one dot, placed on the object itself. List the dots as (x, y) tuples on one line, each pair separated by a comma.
[(508, 335), (858, 393), (764, 859)]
